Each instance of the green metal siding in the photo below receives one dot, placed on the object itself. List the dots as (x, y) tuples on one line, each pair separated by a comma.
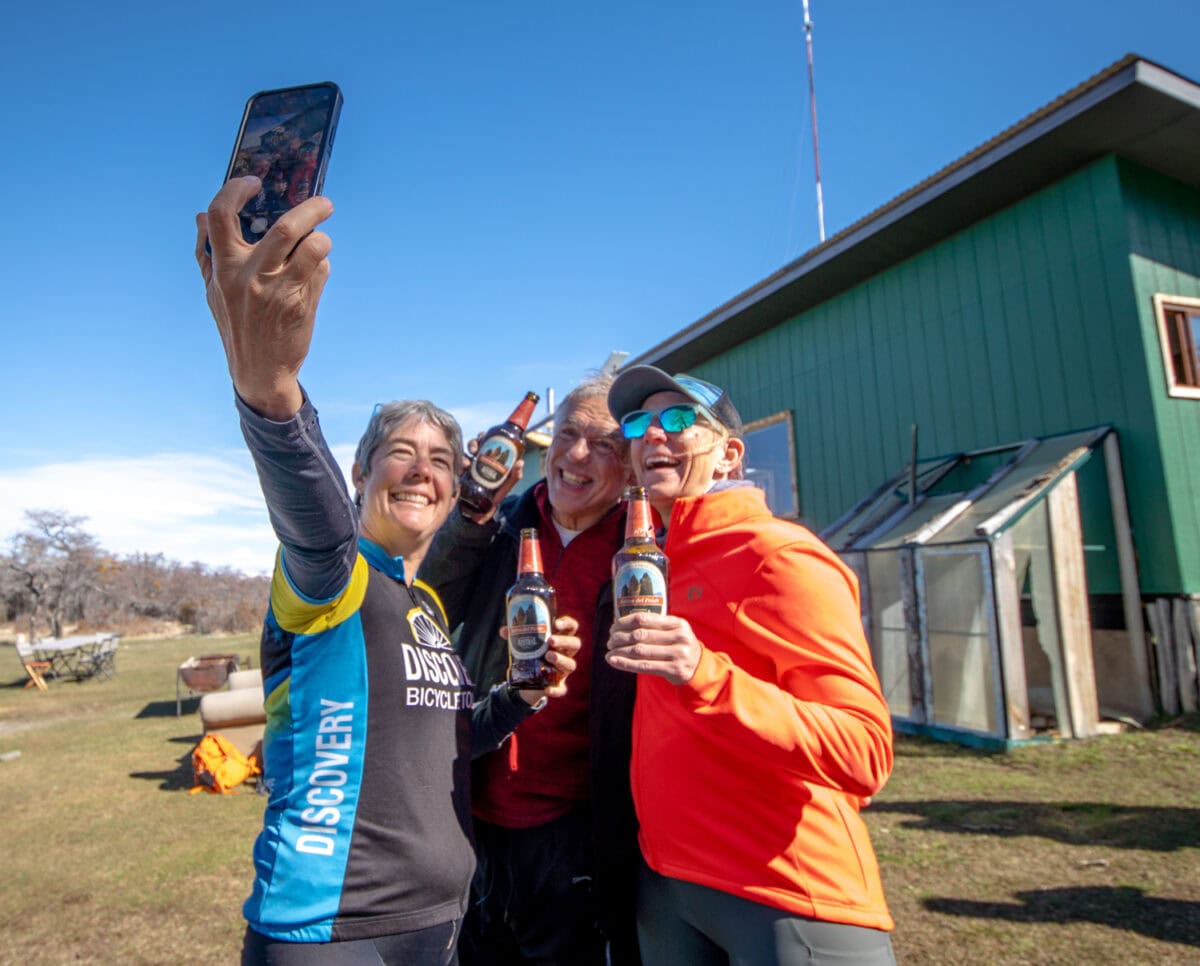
[(1164, 232), (1023, 325)]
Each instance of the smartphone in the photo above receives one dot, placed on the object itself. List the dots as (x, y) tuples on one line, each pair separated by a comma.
[(285, 139)]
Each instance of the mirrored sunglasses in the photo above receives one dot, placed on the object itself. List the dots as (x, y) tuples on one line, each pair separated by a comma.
[(673, 419)]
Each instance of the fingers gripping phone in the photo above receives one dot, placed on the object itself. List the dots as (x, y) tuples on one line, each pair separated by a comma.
[(285, 139)]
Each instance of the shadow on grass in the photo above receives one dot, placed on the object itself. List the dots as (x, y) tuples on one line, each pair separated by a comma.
[(1121, 907), (166, 709), (53, 681), (179, 778), (1073, 823)]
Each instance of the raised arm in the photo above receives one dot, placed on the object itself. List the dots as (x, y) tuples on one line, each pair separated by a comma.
[(264, 300), (454, 562), (264, 297)]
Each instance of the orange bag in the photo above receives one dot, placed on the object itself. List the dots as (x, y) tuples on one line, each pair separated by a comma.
[(219, 766)]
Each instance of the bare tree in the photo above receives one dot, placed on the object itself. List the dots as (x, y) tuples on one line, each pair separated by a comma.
[(52, 565), (56, 573)]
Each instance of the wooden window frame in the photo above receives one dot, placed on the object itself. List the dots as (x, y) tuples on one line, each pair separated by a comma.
[(766, 422), (1171, 313)]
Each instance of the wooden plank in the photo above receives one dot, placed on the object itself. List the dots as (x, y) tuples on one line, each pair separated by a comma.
[(920, 685), (1185, 656), (1034, 492), (1130, 589), (1070, 585), (1012, 648), (1159, 611), (1162, 608), (1193, 609)]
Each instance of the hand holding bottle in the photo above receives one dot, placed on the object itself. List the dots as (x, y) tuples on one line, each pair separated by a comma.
[(497, 456), (513, 478), (564, 646), (649, 643)]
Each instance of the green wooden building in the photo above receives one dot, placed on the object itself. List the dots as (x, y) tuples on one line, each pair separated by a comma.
[(1030, 314)]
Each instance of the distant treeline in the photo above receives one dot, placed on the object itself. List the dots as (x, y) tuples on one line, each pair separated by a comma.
[(55, 574)]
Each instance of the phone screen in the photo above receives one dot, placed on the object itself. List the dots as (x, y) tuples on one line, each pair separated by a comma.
[(285, 140)]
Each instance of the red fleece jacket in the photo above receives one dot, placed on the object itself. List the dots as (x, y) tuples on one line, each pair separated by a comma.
[(748, 778), (542, 771)]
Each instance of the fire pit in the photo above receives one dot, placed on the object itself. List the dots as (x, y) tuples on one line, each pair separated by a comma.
[(199, 675)]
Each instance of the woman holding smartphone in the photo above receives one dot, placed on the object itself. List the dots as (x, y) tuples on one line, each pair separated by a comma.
[(365, 853)]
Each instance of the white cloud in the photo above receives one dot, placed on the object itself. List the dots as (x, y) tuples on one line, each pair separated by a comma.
[(186, 506), (204, 507)]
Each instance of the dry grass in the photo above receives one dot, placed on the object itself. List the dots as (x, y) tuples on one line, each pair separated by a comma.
[(108, 857), (1068, 853), (1084, 852)]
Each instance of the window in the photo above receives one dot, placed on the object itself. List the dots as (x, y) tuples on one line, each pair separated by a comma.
[(1179, 335), (771, 462)]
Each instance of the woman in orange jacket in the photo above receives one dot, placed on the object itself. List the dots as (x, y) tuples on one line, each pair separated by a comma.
[(759, 725)]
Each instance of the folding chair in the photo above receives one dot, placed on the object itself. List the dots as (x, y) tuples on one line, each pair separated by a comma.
[(34, 668), (103, 661)]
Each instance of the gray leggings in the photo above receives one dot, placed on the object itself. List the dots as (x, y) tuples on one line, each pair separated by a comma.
[(683, 924)]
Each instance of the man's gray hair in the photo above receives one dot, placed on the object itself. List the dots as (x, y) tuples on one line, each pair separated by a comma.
[(594, 386), (387, 416)]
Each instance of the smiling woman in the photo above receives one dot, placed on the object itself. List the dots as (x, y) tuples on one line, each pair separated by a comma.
[(371, 720), (404, 476)]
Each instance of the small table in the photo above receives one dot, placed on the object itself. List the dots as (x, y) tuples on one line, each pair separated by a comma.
[(71, 655)]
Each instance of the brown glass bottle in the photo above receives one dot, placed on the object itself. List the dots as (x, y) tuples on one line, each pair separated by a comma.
[(530, 607), (502, 446), (640, 570)]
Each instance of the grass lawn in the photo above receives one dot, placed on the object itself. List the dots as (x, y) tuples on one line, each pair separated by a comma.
[(1080, 852)]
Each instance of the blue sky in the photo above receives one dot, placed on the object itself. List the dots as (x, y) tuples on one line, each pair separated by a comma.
[(520, 189)]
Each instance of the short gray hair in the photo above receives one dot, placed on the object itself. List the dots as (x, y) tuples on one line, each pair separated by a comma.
[(387, 416), (594, 386)]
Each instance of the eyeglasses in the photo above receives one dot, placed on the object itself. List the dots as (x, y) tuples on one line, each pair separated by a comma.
[(568, 435), (673, 419)]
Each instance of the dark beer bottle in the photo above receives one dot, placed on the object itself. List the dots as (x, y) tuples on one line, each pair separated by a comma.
[(530, 606), (640, 570), (502, 446)]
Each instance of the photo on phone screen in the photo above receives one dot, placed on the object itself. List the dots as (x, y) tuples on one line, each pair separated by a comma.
[(285, 139)]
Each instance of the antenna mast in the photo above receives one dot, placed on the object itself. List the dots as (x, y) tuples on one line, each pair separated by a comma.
[(812, 107)]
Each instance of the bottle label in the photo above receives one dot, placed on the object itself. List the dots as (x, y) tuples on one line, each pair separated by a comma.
[(528, 627), (494, 461), (640, 587)]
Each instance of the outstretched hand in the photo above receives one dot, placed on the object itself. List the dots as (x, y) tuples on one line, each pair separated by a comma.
[(264, 296)]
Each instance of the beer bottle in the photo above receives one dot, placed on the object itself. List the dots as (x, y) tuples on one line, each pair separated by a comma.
[(502, 446), (530, 606), (640, 570)]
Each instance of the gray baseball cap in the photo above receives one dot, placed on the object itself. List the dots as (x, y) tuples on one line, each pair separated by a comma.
[(635, 385)]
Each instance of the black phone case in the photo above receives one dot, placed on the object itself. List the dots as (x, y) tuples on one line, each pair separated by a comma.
[(291, 156)]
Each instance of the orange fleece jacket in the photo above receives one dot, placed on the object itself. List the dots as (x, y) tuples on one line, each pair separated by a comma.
[(748, 778)]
